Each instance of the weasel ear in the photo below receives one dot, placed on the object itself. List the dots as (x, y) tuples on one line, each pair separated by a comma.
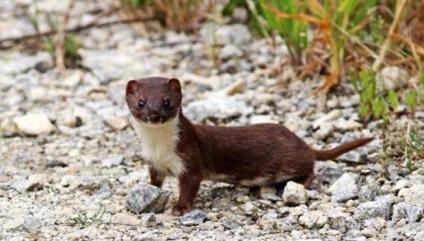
[(174, 84), (131, 87)]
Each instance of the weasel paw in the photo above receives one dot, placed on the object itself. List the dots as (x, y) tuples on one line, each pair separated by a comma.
[(179, 210)]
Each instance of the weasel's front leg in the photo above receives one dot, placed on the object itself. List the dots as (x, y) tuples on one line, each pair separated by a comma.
[(189, 183), (156, 177)]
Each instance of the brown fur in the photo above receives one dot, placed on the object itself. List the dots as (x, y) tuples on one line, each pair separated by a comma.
[(268, 153)]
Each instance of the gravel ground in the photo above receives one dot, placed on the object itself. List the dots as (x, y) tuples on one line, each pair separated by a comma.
[(70, 159)]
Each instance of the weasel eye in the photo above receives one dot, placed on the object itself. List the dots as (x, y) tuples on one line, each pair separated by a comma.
[(167, 104), (141, 103)]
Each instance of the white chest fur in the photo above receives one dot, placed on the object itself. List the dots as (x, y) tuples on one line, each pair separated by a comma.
[(159, 144)]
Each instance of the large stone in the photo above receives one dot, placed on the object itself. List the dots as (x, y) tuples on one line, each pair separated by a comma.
[(414, 195), (344, 188), (147, 198), (237, 34), (34, 124), (373, 209), (27, 224), (26, 185), (408, 211), (218, 107), (295, 194), (15, 62)]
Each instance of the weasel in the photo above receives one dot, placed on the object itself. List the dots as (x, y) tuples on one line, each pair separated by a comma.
[(253, 156)]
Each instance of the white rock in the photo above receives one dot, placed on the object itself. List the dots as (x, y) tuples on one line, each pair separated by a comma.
[(125, 219), (325, 130), (230, 51), (391, 77), (116, 123), (112, 161), (351, 156), (332, 115), (218, 107), (15, 62), (314, 219), (34, 124), (73, 78), (402, 183), (250, 208), (260, 119), (414, 195), (373, 209), (295, 194), (344, 188), (347, 125)]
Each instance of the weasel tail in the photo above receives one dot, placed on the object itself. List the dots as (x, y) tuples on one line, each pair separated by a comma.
[(323, 155)]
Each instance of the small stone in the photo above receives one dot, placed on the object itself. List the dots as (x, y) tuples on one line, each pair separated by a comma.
[(73, 78), (34, 124), (351, 156), (373, 209), (149, 220), (230, 51), (13, 225), (7, 126), (194, 217), (222, 108), (125, 219), (332, 115), (231, 223), (261, 119), (146, 237), (116, 123), (391, 77), (28, 224), (250, 208), (113, 161), (402, 183), (368, 192), (147, 198), (408, 211), (271, 197), (324, 131), (26, 185), (315, 219), (347, 125), (344, 188), (295, 194), (414, 195), (31, 224), (237, 34)]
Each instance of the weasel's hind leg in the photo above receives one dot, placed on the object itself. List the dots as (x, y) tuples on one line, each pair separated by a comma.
[(306, 180), (279, 188), (255, 191)]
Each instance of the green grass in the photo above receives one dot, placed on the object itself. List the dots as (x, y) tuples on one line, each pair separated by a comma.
[(84, 221)]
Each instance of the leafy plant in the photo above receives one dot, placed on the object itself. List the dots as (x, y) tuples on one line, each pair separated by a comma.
[(293, 31), (71, 46), (372, 101), (411, 99), (85, 221)]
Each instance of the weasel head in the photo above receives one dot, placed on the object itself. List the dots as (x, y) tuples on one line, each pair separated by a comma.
[(154, 101)]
